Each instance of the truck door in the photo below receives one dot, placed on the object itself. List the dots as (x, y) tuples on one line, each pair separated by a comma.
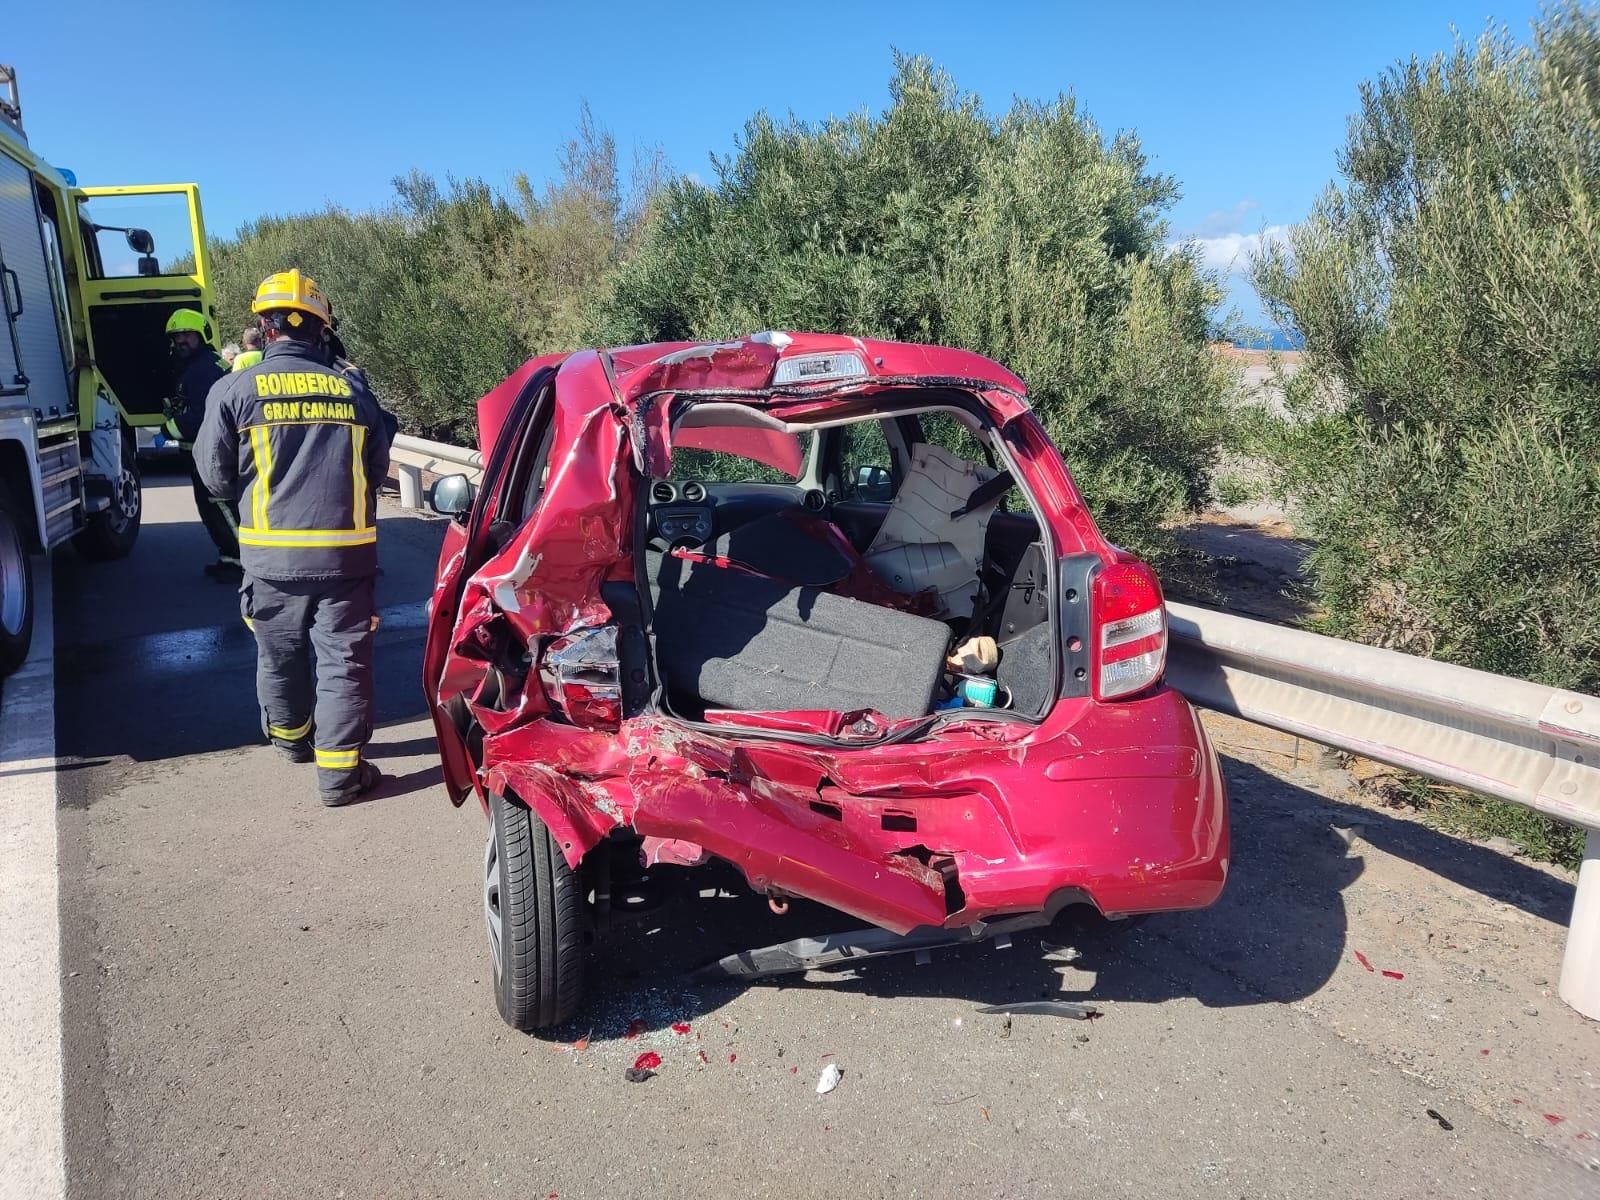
[(144, 253), (31, 355)]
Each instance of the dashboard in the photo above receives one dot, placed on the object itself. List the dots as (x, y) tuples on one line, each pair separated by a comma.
[(681, 512), (689, 513)]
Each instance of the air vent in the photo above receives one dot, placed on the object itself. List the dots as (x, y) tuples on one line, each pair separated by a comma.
[(694, 493), (662, 492), (815, 500)]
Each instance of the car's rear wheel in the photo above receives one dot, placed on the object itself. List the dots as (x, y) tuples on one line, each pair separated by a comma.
[(533, 914)]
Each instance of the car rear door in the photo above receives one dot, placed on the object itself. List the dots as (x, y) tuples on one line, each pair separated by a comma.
[(468, 544)]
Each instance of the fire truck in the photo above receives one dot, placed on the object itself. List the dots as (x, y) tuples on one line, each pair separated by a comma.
[(88, 278)]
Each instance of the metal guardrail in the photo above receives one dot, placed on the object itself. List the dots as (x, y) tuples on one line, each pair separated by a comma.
[(411, 456), (1534, 745)]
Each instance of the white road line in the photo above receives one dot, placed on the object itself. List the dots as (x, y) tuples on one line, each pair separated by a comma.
[(32, 1139)]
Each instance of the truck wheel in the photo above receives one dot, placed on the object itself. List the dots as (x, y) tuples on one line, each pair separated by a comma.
[(16, 590), (112, 532), (533, 911)]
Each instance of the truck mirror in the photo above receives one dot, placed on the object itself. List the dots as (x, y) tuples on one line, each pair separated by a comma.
[(140, 241)]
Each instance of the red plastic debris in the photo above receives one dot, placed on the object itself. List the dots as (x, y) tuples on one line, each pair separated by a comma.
[(1363, 960), (581, 1044), (794, 1070), (1485, 1050), (1393, 975), (1553, 1118), (703, 1057), (1514, 1100), (648, 1061), (635, 1028), (733, 1058), (680, 1027)]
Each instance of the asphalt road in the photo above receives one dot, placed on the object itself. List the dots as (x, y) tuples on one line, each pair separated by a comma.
[(266, 998)]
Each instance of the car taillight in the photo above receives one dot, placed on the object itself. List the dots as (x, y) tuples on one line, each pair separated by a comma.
[(582, 676), (1130, 630)]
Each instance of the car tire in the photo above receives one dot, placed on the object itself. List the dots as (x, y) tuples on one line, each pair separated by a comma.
[(533, 915), (16, 589), (112, 532)]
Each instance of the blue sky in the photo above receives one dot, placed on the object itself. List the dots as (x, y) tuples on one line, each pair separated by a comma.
[(1244, 104)]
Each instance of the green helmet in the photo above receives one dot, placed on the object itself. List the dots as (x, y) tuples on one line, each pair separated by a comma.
[(187, 319)]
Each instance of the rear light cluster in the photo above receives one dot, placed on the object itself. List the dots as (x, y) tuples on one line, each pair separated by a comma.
[(1130, 624), (582, 677)]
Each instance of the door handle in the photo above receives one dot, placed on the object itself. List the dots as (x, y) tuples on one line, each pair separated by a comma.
[(14, 291)]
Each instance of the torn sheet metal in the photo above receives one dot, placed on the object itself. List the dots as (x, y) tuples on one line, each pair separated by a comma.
[(958, 822)]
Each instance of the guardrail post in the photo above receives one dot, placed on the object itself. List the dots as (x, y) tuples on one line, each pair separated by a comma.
[(1580, 967), (410, 485)]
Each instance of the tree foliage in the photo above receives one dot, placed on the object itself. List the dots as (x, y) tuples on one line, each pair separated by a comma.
[(444, 293), (1444, 441), (1030, 237)]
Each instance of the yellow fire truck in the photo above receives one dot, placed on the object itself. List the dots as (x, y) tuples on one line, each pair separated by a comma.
[(88, 277)]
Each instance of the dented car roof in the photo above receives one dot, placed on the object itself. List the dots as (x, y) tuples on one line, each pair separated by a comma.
[(744, 368)]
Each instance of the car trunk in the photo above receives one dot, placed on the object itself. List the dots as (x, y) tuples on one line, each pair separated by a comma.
[(803, 616)]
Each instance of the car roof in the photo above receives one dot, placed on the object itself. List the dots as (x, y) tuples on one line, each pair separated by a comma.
[(747, 363), (741, 369)]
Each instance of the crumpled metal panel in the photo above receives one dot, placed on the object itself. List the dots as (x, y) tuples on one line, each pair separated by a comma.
[(1123, 802)]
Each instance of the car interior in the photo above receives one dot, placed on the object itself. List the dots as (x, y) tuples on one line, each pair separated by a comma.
[(885, 562)]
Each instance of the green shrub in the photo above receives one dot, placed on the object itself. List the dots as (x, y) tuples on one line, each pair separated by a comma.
[(443, 294), (1029, 237), (1443, 443)]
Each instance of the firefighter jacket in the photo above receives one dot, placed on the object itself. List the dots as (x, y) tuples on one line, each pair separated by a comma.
[(195, 375), (302, 447)]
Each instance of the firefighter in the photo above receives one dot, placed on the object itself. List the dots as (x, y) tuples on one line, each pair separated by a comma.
[(249, 350), (302, 445), (196, 367)]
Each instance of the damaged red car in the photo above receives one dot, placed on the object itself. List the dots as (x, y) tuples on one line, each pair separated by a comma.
[(828, 609)]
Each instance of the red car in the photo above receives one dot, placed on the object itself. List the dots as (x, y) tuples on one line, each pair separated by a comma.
[(826, 608)]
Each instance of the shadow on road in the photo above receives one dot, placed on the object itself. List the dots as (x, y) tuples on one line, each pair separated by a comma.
[(1276, 935), (153, 662)]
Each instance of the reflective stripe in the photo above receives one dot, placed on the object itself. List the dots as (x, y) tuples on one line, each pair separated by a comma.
[(261, 494), (338, 760), (358, 468), (308, 539), (290, 735), (249, 624)]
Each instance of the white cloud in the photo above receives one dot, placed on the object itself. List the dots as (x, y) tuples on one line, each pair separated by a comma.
[(1231, 252), (1225, 220)]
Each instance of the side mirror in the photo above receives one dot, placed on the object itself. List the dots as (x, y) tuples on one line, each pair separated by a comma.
[(140, 241), (452, 496), (873, 483)]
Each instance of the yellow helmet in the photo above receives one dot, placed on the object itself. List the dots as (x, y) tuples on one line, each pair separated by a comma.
[(187, 318), (293, 292)]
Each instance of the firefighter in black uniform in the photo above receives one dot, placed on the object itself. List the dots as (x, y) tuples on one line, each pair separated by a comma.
[(196, 368), (301, 444)]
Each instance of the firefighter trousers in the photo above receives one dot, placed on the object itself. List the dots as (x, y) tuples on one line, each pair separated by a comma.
[(331, 703), (220, 517)]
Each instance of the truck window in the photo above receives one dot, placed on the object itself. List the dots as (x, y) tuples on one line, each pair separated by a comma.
[(165, 217)]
